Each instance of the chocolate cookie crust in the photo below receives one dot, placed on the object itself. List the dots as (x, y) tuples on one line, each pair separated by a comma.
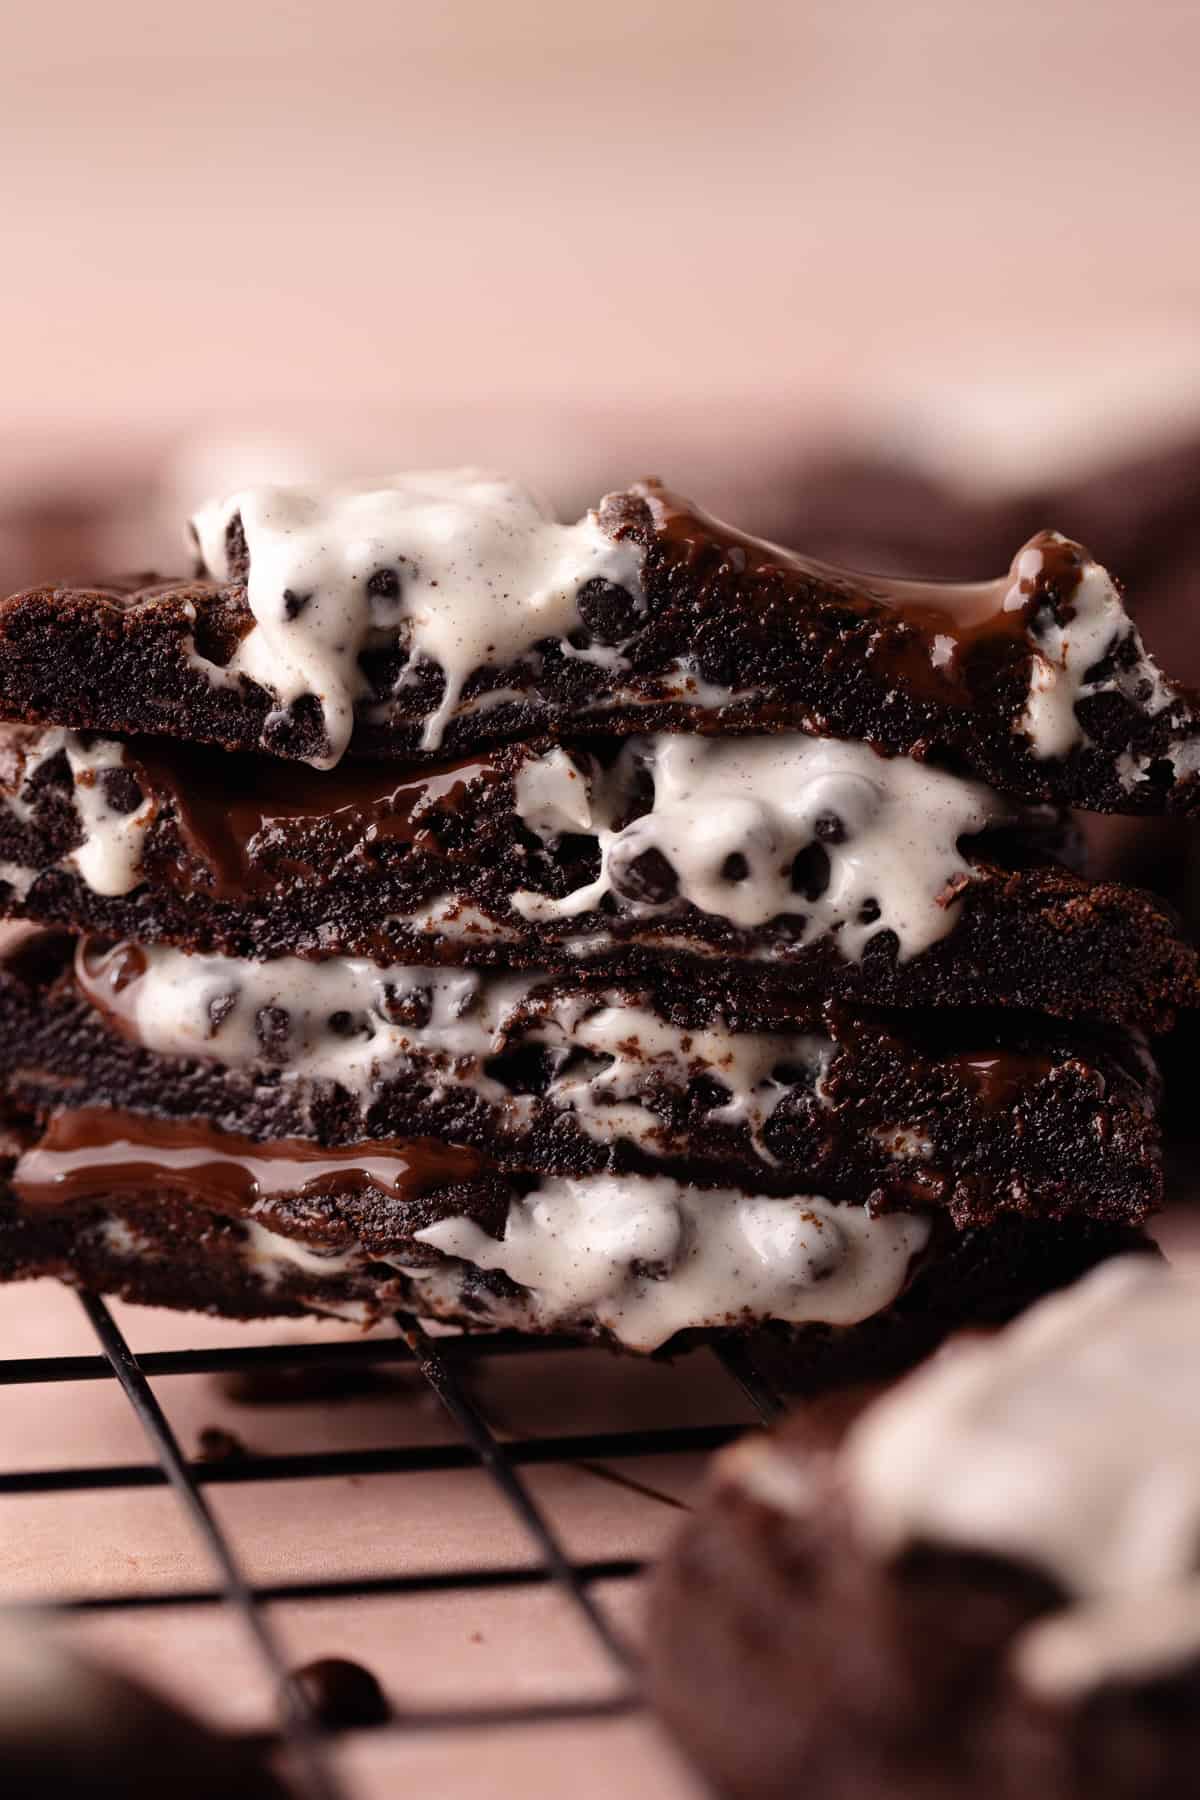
[(981, 1115), (406, 867), (162, 1250), (726, 634), (787, 1662), (977, 1588)]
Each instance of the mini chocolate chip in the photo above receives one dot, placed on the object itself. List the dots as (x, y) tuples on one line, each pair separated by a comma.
[(1044, 619), (644, 876), (640, 798), (791, 1075), (273, 1025), (123, 966), (294, 603), (651, 1271), (810, 871), (385, 594), (120, 789), (828, 828), (219, 1009), (406, 1006), (868, 912), (735, 867), (342, 1693), (585, 1065), (218, 1445), (350, 1024), (527, 1069), (611, 613), (384, 584), (707, 1093)]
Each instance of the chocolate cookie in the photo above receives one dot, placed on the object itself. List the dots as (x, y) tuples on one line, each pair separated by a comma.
[(980, 1114), (806, 862), (989, 1587), (177, 1213), (451, 612)]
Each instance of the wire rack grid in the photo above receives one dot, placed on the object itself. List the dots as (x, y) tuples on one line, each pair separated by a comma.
[(443, 1363)]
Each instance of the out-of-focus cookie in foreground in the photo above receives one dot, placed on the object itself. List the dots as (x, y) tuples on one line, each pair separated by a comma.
[(990, 1586)]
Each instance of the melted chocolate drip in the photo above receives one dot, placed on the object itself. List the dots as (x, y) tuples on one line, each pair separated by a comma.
[(247, 820), (95, 1152), (944, 623), (999, 1078), (108, 975)]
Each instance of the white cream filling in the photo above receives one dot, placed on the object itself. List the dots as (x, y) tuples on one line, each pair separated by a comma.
[(1070, 1443), (109, 859), (476, 572), (208, 1007), (178, 997), (646, 1258), (270, 1252), (1063, 654), (1122, 1640), (729, 815), (449, 917)]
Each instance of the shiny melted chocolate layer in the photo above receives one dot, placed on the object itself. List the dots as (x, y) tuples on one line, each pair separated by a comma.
[(252, 822), (948, 621), (90, 1153), (976, 1113)]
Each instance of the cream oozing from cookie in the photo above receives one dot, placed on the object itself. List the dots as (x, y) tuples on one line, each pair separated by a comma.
[(1069, 658), (463, 568), (1069, 1443), (109, 856), (752, 828), (646, 1257), (350, 1021), (642, 1258)]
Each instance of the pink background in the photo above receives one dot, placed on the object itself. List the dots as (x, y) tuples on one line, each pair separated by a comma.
[(587, 241)]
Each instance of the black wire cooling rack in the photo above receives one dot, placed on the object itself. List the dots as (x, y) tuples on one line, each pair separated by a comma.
[(442, 1362)]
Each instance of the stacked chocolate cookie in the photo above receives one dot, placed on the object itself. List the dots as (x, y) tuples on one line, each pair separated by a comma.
[(625, 927)]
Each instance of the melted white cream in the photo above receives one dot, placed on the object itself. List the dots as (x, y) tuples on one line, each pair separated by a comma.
[(270, 1253), (18, 876), (109, 859), (1121, 1640), (1064, 654), (730, 815), (208, 1007), (553, 795), (1070, 1443), (645, 1258), (648, 1257), (178, 995), (477, 572)]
